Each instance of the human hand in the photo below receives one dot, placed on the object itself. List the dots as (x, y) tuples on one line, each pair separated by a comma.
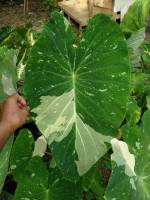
[(14, 113)]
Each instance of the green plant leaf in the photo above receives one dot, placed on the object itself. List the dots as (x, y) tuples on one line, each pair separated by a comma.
[(4, 161), (136, 39), (146, 56), (148, 101), (34, 182), (8, 59), (136, 187), (138, 83), (68, 168), (134, 44), (4, 32), (79, 89), (39, 184), (60, 189), (92, 182), (21, 153), (136, 16), (133, 112)]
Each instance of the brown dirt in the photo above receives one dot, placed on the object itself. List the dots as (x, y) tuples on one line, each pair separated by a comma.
[(13, 14)]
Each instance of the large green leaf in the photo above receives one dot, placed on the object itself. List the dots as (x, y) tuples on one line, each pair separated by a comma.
[(79, 89), (38, 183), (34, 183), (21, 153), (8, 59), (4, 161), (122, 186), (60, 189), (136, 17)]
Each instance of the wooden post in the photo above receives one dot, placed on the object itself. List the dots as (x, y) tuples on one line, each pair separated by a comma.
[(26, 7), (90, 7)]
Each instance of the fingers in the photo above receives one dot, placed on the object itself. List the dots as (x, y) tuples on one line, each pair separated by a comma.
[(24, 115), (15, 111), (22, 101), (16, 98)]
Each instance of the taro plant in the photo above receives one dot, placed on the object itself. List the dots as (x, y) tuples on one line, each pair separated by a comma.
[(71, 104), (73, 98), (83, 98), (72, 101)]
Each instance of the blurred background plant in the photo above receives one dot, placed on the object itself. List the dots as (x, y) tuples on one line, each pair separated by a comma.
[(50, 5)]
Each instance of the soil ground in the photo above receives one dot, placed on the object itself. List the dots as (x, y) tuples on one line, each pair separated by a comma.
[(13, 14)]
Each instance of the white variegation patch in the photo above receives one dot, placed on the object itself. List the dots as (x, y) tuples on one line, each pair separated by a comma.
[(55, 119), (40, 146), (90, 146), (55, 116), (123, 157)]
